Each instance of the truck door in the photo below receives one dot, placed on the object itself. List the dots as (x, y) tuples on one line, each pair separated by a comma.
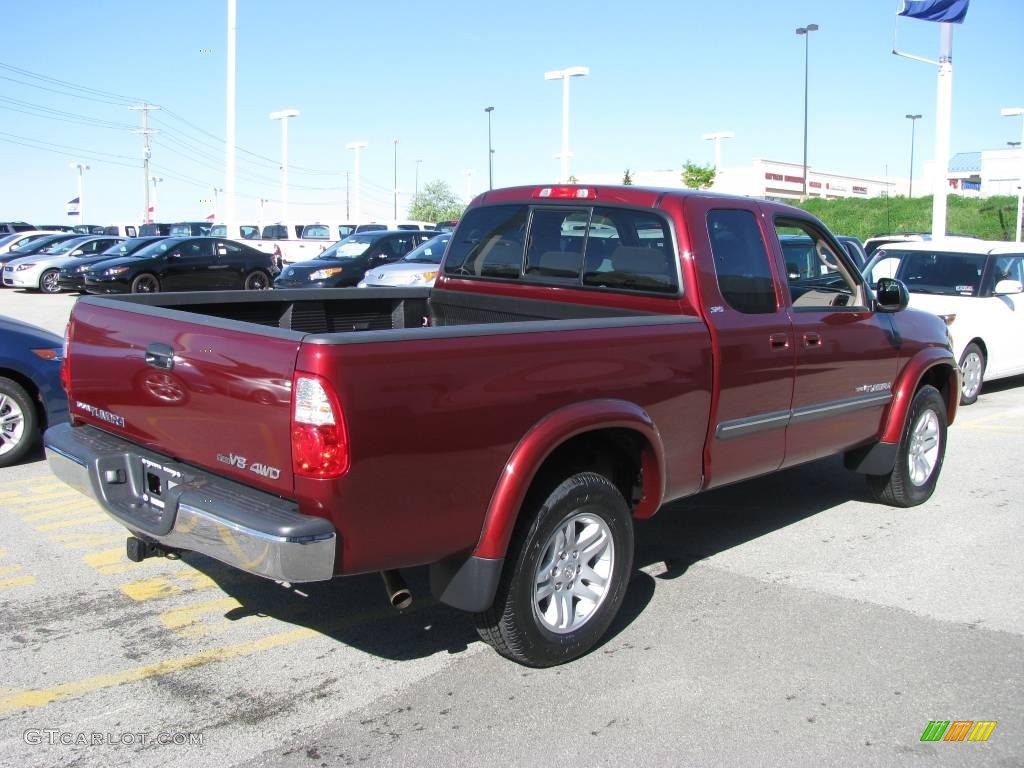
[(846, 354), (753, 338)]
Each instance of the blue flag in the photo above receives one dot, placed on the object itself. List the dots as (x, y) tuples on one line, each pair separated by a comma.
[(952, 11)]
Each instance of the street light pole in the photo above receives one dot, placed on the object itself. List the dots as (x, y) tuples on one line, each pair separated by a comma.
[(156, 180), (417, 192), (283, 116), (355, 146), (565, 75), (913, 124), (490, 150), (81, 196), (1012, 112), (717, 138), (216, 207), (806, 32), (396, 180)]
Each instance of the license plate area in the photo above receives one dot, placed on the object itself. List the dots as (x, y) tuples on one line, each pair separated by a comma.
[(141, 492)]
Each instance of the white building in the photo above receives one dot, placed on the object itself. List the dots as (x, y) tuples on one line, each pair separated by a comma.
[(768, 179)]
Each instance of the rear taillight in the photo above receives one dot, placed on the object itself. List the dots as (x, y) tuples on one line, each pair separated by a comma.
[(319, 438), (65, 364)]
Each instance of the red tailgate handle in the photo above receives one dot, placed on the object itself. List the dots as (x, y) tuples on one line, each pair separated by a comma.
[(779, 340), (812, 340)]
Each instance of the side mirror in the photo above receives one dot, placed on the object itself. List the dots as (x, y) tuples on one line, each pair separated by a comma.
[(891, 295), (1008, 287), (77, 252)]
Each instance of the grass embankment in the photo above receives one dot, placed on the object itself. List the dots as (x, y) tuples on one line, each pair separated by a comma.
[(993, 218)]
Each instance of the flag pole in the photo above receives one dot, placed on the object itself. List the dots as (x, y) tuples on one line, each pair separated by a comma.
[(943, 118)]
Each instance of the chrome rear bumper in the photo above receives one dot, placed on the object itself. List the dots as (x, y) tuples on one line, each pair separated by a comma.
[(242, 527)]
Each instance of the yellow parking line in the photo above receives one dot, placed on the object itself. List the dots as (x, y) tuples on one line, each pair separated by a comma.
[(78, 508), (71, 523), (7, 570), (27, 490), (165, 586), (42, 697), (113, 561), (17, 581), (184, 621), (36, 498), (77, 540)]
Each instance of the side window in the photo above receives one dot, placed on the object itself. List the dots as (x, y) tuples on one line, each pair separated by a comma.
[(1007, 268), (822, 279), (130, 231), (490, 243), (741, 262), (629, 250)]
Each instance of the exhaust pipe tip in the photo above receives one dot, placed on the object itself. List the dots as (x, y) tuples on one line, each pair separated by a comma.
[(399, 594)]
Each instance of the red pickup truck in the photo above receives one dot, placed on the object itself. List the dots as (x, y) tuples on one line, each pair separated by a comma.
[(587, 354)]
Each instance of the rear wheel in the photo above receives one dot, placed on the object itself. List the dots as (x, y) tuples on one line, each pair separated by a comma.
[(145, 283), (919, 456), (49, 281), (18, 422), (972, 370), (565, 574), (257, 281)]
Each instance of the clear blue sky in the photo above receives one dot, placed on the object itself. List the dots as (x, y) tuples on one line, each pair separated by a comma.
[(662, 73)]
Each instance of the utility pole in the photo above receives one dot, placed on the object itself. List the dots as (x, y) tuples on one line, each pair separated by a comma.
[(81, 196), (418, 177), (156, 180), (355, 146), (490, 150), (145, 108), (216, 206), (396, 179), (229, 131), (348, 218)]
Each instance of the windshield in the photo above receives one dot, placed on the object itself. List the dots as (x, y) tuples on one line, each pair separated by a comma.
[(156, 249), (128, 247), (349, 248), (431, 251), (64, 246), (950, 274)]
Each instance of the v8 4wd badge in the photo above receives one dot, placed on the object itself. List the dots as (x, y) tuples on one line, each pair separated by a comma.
[(263, 470)]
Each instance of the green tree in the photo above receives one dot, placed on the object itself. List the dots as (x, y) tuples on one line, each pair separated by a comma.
[(436, 202), (698, 176), (627, 179)]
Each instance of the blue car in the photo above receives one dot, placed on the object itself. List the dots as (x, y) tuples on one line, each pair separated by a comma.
[(31, 395)]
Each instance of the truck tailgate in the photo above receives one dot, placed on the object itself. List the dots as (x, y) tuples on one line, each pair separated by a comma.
[(209, 395)]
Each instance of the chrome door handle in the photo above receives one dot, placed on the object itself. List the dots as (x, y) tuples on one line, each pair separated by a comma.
[(812, 340), (778, 340)]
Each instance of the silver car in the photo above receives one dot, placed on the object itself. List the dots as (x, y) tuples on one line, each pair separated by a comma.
[(40, 271), (418, 268)]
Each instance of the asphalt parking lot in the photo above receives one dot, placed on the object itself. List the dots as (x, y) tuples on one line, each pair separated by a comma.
[(782, 621)]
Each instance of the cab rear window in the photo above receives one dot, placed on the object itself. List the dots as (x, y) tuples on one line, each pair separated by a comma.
[(593, 247)]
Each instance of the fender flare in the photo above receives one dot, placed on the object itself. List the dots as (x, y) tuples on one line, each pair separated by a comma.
[(907, 383), (547, 435)]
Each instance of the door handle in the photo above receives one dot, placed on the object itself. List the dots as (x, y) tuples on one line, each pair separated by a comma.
[(812, 340), (160, 356), (778, 340)]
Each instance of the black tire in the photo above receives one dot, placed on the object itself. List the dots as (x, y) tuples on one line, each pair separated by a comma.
[(257, 281), (972, 373), (17, 435), (904, 487), (513, 624), (145, 283), (48, 281)]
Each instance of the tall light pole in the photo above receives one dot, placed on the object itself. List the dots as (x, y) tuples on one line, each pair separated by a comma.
[(396, 181), (806, 32), (216, 207), (81, 195), (490, 150), (229, 131), (283, 116), (1013, 112), (717, 138), (418, 177), (156, 180), (355, 146), (913, 124), (565, 75)]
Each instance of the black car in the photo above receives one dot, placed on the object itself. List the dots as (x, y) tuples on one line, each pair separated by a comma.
[(345, 263), (184, 264), (38, 245), (10, 227), (72, 277)]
